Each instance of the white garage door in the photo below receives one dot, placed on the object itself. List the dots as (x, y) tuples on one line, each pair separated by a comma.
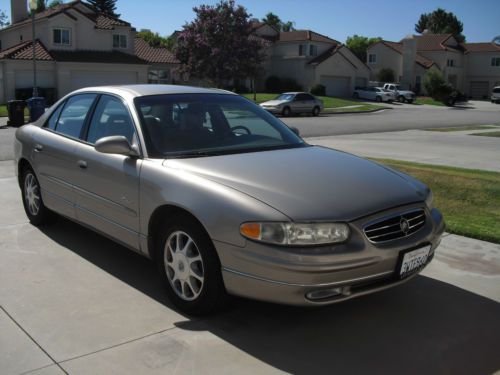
[(80, 79), (24, 79), (337, 85), (479, 89)]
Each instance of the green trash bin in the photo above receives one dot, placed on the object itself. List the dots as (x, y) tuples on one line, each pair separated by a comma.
[(15, 110)]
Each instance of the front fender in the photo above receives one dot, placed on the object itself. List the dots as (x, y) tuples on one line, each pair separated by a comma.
[(219, 208)]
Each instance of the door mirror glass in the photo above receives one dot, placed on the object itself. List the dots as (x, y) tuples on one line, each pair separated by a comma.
[(116, 144), (295, 130)]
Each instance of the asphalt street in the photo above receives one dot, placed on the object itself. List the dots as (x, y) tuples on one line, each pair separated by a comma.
[(394, 119)]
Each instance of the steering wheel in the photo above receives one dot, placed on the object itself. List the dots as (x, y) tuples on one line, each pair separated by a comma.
[(243, 128)]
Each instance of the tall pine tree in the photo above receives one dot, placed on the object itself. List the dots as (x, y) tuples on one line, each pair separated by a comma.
[(105, 6)]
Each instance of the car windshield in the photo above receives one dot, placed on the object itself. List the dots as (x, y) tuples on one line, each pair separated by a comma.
[(285, 97), (191, 125)]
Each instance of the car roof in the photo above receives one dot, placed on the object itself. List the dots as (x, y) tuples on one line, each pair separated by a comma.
[(133, 91)]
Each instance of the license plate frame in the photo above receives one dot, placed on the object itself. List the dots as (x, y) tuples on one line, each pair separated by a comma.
[(420, 255)]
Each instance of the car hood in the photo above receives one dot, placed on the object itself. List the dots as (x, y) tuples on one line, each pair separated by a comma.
[(273, 102), (309, 183)]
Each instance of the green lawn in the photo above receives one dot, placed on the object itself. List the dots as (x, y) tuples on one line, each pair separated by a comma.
[(469, 199), (488, 134), (427, 100), (457, 129), (328, 102)]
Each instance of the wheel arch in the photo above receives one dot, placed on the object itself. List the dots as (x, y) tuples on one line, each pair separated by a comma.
[(22, 165), (159, 217)]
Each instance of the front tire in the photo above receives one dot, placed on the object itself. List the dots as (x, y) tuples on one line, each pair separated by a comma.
[(401, 99), (33, 204), (315, 111), (286, 112), (190, 268), (378, 99)]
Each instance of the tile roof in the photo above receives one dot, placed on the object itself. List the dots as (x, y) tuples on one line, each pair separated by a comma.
[(153, 54), (481, 47), (102, 21), (304, 35), (106, 57), (398, 47), (24, 51)]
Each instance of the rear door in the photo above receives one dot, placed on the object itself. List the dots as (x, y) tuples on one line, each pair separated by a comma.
[(107, 185), (55, 161)]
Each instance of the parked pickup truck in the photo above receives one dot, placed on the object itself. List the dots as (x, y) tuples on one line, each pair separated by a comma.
[(399, 94), (373, 93)]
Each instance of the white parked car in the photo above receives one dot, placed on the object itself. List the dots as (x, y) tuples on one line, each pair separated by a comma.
[(293, 102), (399, 94), (495, 95), (373, 93)]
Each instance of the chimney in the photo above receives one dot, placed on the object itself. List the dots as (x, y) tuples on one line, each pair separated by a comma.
[(409, 57), (18, 10)]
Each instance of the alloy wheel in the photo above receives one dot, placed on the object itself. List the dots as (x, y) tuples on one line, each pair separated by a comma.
[(184, 265), (32, 194)]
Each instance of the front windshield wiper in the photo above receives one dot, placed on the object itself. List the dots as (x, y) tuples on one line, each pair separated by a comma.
[(192, 154)]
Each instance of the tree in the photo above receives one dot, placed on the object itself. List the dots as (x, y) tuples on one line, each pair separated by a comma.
[(359, 44), (156, 40), (105, 6), (437, 87), (441, 22), (217, 45), (274, 21), (55, 3), (4, 20), (386, 75)]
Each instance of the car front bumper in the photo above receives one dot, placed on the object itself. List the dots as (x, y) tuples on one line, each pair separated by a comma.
[(274, 110), (288, 275)]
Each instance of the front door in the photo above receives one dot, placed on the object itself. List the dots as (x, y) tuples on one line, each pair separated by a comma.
[(107, 187)]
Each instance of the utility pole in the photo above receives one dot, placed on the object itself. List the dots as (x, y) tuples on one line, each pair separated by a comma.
[(33, 7)]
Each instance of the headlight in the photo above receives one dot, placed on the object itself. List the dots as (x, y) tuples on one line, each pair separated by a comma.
[(296, 233), (429, 201)]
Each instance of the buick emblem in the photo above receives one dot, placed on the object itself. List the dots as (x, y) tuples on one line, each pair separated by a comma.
[(404, 225)]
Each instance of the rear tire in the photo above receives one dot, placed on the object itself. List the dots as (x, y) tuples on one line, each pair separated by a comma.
[(315, 111), (33, 204), (401, 99), (286, 112), (409, 101), (355, 95), (378, 99), (190, 267)]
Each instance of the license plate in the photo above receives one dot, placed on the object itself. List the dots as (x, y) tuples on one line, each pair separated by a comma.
[(413, 260)]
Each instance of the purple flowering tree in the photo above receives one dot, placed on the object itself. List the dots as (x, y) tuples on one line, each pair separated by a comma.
[(218, 46)]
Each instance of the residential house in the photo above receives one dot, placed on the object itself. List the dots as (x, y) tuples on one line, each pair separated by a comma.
[(75, 47), (310, 59), (473, 68)]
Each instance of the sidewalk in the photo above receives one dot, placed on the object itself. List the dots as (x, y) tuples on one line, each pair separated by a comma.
[(456, 149)]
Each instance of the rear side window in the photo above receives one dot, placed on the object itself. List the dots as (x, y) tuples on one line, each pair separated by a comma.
[(73, 115), (496, 90)]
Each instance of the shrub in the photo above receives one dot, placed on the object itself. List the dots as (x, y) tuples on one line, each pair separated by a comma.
[(386, 75), (438, 89), (318, 90)]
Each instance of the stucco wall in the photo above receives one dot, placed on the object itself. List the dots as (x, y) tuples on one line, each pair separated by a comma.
[(386, 58)]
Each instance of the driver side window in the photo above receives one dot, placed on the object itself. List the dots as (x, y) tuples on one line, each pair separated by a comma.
[(111, 117)]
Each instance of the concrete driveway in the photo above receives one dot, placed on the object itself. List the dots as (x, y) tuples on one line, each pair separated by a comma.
[(75, 302)]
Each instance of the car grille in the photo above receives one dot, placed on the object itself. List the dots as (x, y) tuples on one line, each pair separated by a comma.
[(396, 226)]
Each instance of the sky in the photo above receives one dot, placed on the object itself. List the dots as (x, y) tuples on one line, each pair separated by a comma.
[(389, 19)]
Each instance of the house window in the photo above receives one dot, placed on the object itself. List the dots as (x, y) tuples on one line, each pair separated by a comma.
[(119, 41), (372, 58), (61, 37), (450, 63), (495, 61), (313, 50), (302, 49), (158, 76)]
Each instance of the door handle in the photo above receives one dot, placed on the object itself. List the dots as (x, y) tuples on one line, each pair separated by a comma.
[(82, 164), (38, 148)]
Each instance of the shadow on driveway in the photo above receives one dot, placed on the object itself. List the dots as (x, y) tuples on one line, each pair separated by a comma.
[(422, 327)]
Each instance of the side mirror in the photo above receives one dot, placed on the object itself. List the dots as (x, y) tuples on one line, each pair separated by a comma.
[(116, 144), (295, 130)]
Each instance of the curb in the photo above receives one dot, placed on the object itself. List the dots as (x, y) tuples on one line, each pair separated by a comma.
[(355, 112)]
